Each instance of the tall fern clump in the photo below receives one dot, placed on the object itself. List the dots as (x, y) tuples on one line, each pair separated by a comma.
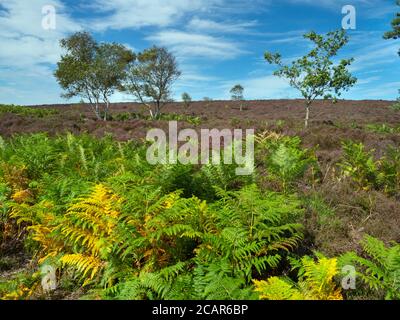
[(249, 233), (389, 175), (368, 173), (89, 230), (285, 160), (186, 249), (359, 164), (379, 268), (315, 282)]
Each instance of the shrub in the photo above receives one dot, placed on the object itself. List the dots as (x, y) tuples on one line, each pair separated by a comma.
[(187, 99)]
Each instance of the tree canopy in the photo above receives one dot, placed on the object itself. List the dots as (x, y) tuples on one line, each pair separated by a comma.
[(150, 78), (92, 71), (316, 75)]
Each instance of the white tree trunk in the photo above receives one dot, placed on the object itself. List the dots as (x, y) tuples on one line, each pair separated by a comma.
[(307, 116)]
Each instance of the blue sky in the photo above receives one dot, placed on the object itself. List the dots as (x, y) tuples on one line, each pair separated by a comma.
[(218, 43)]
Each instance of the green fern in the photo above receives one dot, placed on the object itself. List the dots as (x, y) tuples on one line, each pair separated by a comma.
[(251, 229), (287, 161), (315, 282), (381, 269), (359, 164)]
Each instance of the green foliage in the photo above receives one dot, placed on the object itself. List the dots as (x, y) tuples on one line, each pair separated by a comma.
[(106, 220), (359, 164), (315, 74), (286, 161), (383, 128), (253, 228), (368, 173), (230, 241), (20, 287), (187, 99), (96, 211), (237, 94), (395, 32), (389, 176), (92, 71), (318, 207), (316, 282), (27, 111), (396, 106), (380, 269), (127, 116)]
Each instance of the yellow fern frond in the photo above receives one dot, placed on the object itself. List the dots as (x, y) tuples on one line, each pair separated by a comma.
[(316, 283), (22, 213), (171, 200), (96, 212), (268, 136), (50, 246), (318, 279), (277, 289), (92, 220), (89, 266), (21, 196), (84, 238)]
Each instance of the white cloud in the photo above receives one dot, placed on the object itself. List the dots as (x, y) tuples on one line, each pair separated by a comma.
[(205, 25), (24, 41), (28, 51), (193, 45), (380, 90), (124, 14), (373, 9), (374, 55)]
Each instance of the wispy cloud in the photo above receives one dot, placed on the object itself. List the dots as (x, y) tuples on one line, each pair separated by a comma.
[(206, 25), (379, 90), (134, 14), (375, 55), (189, 45)]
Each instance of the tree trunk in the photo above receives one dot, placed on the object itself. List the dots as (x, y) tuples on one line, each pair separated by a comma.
[(96, 111), (307, 115), (106, 110), (158, 111)]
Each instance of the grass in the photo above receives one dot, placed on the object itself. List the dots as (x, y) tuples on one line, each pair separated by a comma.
[(127, 116), (27, 111), (383, 128)]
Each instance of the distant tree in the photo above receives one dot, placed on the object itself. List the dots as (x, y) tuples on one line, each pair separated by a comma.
[(150, 78), (315, 74), (92, 71), (237, 95), (187, 99), (207, 99)]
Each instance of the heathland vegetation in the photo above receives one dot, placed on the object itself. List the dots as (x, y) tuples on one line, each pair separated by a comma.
[(84, 215)]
